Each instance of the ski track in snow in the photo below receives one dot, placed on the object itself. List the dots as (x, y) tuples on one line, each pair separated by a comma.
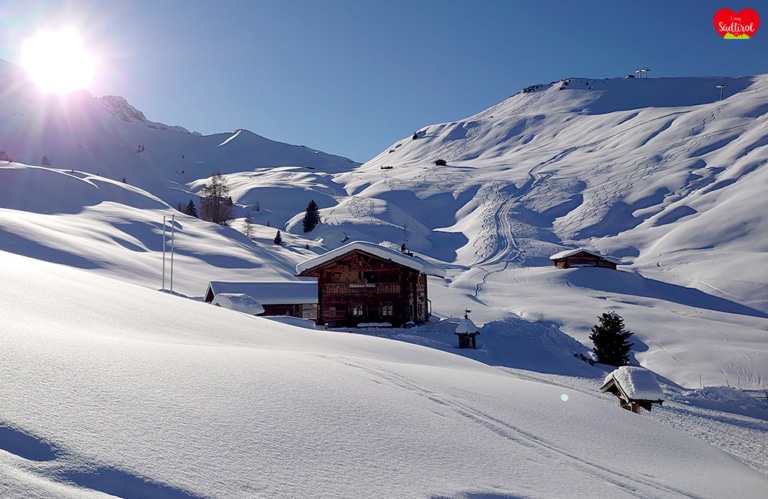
[(745, 438), (634, 484)]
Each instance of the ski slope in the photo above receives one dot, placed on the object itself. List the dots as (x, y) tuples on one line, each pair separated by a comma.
[(112, 388)]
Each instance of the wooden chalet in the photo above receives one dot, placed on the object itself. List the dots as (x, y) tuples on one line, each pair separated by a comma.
[(364, 283), (292, 298), (582, 258), (636, 388)]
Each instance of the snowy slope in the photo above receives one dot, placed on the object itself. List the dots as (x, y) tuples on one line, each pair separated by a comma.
[(110, 388), (655, 171)]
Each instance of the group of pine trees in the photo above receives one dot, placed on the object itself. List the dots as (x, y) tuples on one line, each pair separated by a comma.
[(216, 206), (215, 201)]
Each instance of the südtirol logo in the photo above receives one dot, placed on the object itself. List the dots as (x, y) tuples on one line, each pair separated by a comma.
[(736, 28)]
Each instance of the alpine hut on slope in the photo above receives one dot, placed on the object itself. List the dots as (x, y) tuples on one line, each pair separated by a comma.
[(365, 283), (635, 386), (580, 257)]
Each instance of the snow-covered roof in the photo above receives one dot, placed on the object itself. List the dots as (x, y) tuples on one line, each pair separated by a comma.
[(636, 382), (571, 252), (239, 302), (466, 326), (397, 257), (270, 293)]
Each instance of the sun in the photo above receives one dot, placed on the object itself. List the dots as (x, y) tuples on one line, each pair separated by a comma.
[(57, 61)]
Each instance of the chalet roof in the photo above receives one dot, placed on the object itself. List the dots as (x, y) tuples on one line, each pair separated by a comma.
[(637, 383), (239, 302), (466, 326), (269, 293), (397, 257), (571, 252)]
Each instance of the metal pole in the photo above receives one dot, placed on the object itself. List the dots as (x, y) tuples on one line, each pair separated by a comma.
[(721, 87), (173, 226), (163, 253)]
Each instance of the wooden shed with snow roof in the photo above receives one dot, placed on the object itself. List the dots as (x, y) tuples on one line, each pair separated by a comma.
[(293, 298), (362, 282), (580, 257), (467, 331), (635, 387)]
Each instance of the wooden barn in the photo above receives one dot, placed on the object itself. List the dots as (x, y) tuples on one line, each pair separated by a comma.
[(292, 298), (364, 283), (636, 387), (582, 258)]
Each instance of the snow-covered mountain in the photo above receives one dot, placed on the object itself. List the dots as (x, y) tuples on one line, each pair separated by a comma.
[(660, 173), (654, 171), (111, 388), (111, 138)]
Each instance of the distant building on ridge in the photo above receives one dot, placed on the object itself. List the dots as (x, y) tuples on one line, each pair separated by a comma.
[(580, 257)]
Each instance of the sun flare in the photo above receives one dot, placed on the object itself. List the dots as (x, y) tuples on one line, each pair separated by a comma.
[(57, 61)]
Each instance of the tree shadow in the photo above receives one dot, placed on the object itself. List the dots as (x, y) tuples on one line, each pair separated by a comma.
[(25, 445), (104, 479), (119, 483)]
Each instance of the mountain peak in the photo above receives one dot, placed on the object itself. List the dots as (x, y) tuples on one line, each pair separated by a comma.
[(124, 111)]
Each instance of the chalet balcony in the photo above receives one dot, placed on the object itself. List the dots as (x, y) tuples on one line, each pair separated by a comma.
[(362, 289)]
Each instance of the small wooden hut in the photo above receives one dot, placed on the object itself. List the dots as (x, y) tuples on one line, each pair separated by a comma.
[(636, 387), (580, 257), (466, 331)]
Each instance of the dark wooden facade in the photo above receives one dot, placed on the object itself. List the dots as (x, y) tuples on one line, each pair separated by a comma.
[(301, 310), (467, 340), (583, 259), (359, 287)]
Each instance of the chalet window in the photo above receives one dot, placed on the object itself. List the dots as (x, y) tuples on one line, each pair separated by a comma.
[(331, 311), (357, 310), (386, 310), (309, 311)]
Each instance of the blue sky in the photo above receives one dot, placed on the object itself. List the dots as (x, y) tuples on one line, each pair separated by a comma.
[(350, 77)]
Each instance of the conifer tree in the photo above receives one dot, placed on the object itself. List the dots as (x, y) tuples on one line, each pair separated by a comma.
[(191, 210), (278, 238), (311, 217), (610, 340)]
